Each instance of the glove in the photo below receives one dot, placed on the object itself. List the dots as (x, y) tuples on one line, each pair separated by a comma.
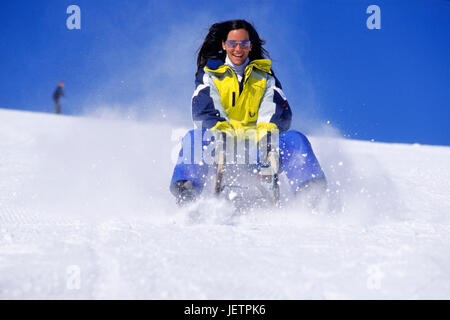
[(252, 133), (269, 126), (224, 126), (235, 129), (239, 130), (263, 128)]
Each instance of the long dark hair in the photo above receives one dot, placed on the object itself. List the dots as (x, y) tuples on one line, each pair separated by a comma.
[(218, 32)]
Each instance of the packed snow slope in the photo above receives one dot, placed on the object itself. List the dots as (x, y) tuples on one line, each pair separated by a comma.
[(85, 212)]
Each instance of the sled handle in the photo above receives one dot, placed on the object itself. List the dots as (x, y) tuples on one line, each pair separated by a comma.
[(274, 164), (220, 160)]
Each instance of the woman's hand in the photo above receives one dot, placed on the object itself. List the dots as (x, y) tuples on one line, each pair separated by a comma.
[(263, 128), (224, 126), (237, 130)]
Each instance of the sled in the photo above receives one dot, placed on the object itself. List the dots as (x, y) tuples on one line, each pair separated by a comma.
[(247, 186)]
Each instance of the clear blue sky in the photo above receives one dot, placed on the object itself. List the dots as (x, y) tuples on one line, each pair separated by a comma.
[(139, 57)]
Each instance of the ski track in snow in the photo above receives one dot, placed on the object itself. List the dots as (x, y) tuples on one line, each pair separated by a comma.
[(85, 213)]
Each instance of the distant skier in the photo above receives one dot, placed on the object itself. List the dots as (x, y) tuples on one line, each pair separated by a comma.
[(57, 95), (237, 91)]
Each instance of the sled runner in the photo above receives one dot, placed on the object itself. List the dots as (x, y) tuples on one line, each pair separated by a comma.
[(265, 176)]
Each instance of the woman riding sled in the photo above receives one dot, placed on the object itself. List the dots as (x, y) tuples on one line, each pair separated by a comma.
[(236, 92)]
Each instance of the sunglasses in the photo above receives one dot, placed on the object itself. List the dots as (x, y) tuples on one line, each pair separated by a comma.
[(233, 43)]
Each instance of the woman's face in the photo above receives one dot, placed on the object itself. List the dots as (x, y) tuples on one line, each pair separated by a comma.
[(235, 46)]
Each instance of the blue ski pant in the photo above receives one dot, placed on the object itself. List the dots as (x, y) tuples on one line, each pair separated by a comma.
[(297, 160)]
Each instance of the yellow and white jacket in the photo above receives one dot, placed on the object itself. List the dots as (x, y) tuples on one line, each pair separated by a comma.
[(221, 102)]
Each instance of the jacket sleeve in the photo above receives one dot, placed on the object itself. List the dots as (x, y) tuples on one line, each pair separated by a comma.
[(207, 108), (274, 106)]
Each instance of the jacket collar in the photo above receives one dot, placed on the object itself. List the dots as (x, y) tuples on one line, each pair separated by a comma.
[(218, 66), (239, 70)]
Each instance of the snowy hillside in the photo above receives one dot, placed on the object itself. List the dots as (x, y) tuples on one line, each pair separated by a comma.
[(85, 212)]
